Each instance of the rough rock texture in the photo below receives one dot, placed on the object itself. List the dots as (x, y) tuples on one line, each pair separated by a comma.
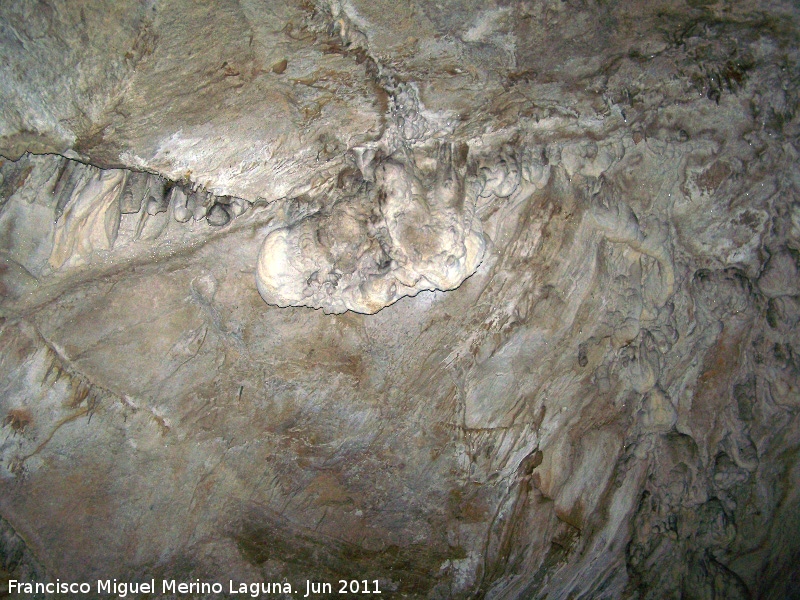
[(410, 234), (561, 243)]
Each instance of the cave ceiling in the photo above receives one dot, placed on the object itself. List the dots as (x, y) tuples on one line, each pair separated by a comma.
[(466, 299)]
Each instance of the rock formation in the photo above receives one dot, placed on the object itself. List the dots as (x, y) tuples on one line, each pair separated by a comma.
[(472, 300)]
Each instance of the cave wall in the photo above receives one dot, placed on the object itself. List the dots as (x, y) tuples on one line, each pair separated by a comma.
[(478, 300)]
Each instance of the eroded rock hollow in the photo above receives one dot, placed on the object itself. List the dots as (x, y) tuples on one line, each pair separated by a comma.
[(464, 299)]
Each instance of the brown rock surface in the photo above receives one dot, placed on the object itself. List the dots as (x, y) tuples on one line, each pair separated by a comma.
[(604, 402)]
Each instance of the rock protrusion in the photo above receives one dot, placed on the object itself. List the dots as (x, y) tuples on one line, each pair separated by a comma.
[(415, 230)]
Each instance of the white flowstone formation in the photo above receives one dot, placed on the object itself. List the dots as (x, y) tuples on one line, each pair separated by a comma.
[(413, 231)]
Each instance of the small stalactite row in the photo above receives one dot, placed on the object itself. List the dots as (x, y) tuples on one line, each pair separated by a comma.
[(90, 204)]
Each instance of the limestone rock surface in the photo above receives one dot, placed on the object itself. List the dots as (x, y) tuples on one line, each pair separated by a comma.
[(472, 299)]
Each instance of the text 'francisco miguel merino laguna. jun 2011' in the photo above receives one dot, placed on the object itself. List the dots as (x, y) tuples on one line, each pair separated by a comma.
[(123, 589)]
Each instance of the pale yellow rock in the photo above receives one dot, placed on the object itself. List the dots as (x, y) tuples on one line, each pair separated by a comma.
[(91, 219)]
